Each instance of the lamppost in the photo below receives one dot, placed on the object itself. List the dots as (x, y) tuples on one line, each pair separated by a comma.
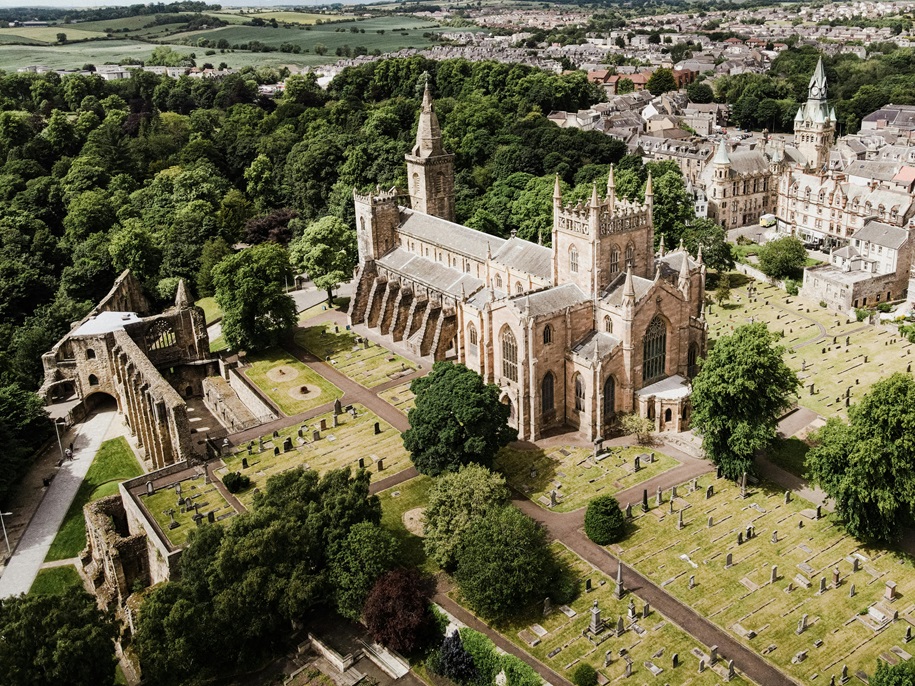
[(2, 515)]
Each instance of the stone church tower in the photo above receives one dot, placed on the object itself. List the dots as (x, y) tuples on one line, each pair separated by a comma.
[(430, 170), (815, 122)]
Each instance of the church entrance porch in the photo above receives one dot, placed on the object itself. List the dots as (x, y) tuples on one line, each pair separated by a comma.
[(666, 403)]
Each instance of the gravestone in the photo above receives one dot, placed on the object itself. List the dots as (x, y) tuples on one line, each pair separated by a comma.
[(658, 498), (377, 428), (588, 588), (336, 421), (251, 448), (801, 625), (316, 435), (361, 463), (628, 510), (774, 576), (713, 655), (323, 424), (149, 488), (300, 432), (619, 626), (889, 592), (775, 536), (711, 521), (287, 444), (908, 634), (553, 498), (728, 561), (276, 434), (740, 538), (630, 610), (675, 660), (338, 407), (244, 463), (731, 672), (380, 464), (618, 592), (276, 450), (818, 512), (547, 607), (596, 624), (692, 581), (851, 591), (607, 658), (644, 500), (709, 492), (670, 506), (718, 472), (695, 485), (822, 586), (211, 517), (743, 485), (636, 464), (787, 497), (844, 676), (749, 531), (701, 665), (260, 445), (835, 577), (854, 564), (628, 672), (646, 610), (680, 520)]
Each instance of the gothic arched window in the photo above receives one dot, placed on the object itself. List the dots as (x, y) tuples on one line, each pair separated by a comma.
[(579, 393), (630, 255), (692, 358), (93, 380), (509, 355), (654, 350), (519, 289), (614, 260), (573, 260), (546, 393), (160, 335), (472, 339), (609, 399), (498, 281), (547, 334), (608, 324)]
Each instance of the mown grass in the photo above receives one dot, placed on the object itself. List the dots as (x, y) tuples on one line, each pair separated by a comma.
[(284, 389), (56, 581), (211, 311), (114, 463), (790, 454), (394, 503)]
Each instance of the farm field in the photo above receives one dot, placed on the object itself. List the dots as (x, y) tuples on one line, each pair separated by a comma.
[(48, 34)]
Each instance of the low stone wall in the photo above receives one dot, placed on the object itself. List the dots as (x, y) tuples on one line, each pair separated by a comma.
[(248, 395), (222, 400)]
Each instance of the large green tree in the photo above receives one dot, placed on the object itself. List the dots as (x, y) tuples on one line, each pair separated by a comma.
[(902, 674), (661, 81), (249, 288), (505, 564), (326, 251), (742, 389), (456, 501), (712, 238), (865, 465), (782, 258), (356, 562), (56, 639), (458, 419)]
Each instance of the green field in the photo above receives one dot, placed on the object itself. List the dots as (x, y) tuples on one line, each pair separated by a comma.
[(48, 34), (764, 614), (338, 447), (291, 385), (211, 311), (114, 463), (305, 18), (395, 502), (56, 581), (573, 473)]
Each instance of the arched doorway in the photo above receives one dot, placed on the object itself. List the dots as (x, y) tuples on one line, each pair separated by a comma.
[(100, 401)]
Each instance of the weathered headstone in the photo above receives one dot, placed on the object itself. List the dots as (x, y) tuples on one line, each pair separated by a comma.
[(675, 660), (774, 576), (692, 581), (630, 610), (646, 610), (618, 592), (287, 444), (818, 512), (658, 498), (851, 591), (713, 655), (743, 485), (673, 492), (731, 672), (844, 677), (361, 463), (316, 435), (709, 492), (728, 560), (300, 432), (588, 588), (701, 665), (835, 577), (276, 450), (338, 406), (244, 463), (711, 521), (276, 434), (908, 634), (822, 586), (854, 564), (801, 625), (889, 591), (377, 428), (628, 510), (636, 464), (547, 607), (380, 464), (553, 498), (644, 500), (775, 536), (787, 497), (740, 538), (149, 488), (619, 626), (336, 421), (211, 517), (680, 519), (323, 424)]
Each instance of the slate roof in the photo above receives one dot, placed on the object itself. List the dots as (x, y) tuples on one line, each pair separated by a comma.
[(879, 233), (614, 293), (525, 256), (448, 235), (550, 300), (430, 273), (596, 342)]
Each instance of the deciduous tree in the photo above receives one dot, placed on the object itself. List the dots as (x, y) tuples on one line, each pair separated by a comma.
[(458, 419), (356, 562), (782, 258), (741, 390), (326, 250), (397, 611)]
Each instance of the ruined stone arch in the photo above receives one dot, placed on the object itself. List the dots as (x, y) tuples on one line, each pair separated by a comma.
[(160, 335)]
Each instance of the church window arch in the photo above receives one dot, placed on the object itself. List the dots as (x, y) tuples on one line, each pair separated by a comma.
[(509, 355), (630, 255), (573, 260), (160, 335), (498, 281), (93, 380), (692, 360), (472, 339), (608, 324), (609, 399), (519, 289), (654, 350), (668, 415), (614, 259), (547, 388), (547, 334), (579, 393), (90, 354)]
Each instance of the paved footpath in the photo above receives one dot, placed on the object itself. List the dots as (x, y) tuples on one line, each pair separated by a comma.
[(36, 541)]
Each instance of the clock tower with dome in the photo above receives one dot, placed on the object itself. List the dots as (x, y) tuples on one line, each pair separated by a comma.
[(815, 123)]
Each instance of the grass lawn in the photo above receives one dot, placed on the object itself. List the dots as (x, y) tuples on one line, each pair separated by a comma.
[(823, 360), (790, 454), (368, 366), (211, 310), (56, 581), (218, 344), (114, 463), (563, 647), (394, 502), (338, 447), (341, 304), (742, 598), (165, 500), (287, 382), (400, 397), (573, 473)]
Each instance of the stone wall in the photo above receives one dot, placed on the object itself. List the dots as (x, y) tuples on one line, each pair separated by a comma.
[(116, 559), (256, 405), (227, 407)]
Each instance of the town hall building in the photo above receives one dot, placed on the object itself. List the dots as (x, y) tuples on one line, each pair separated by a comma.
[(575, 335)]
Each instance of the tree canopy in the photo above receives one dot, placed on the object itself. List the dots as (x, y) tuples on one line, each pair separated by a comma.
[(741, 390), (782, 258), (250, 289), (604, 521), (458, 419), (56, 639), (397, 611), (326, 250), (865, 465)]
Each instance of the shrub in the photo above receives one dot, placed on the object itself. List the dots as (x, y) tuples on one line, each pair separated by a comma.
[(823, 304), (483, 653), (884, 307), (792, 287), (519, 673), (604, 521), (862, 313), (584, 675), (236, 481), (454, 661)]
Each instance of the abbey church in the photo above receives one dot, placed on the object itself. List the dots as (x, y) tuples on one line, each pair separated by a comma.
[(575, 335)]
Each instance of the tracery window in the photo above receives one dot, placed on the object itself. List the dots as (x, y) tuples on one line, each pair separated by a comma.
[(546, 393), (654, 350), (509, 356), (579, 393)]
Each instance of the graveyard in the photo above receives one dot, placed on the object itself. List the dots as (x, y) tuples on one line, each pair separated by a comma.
[(290, 384), (786, 582), (342, 442), (840, 358), (408, 498), (647, 648), (359, 359), (566, 478), (164, 508), (400, 397)]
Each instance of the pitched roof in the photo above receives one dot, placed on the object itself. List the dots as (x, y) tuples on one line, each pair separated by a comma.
[(613, 295), (448, 235), (550, 300), (427, 272), (879, 233), (596, 342), (525, 256)]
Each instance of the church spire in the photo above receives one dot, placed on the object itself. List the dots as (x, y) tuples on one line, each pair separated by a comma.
[(183, 298), (817, 88), (428, 133)]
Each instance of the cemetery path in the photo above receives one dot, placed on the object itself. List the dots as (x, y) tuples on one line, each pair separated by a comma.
[(471, 621), (566, 528), (33, 547), (393, 480)]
